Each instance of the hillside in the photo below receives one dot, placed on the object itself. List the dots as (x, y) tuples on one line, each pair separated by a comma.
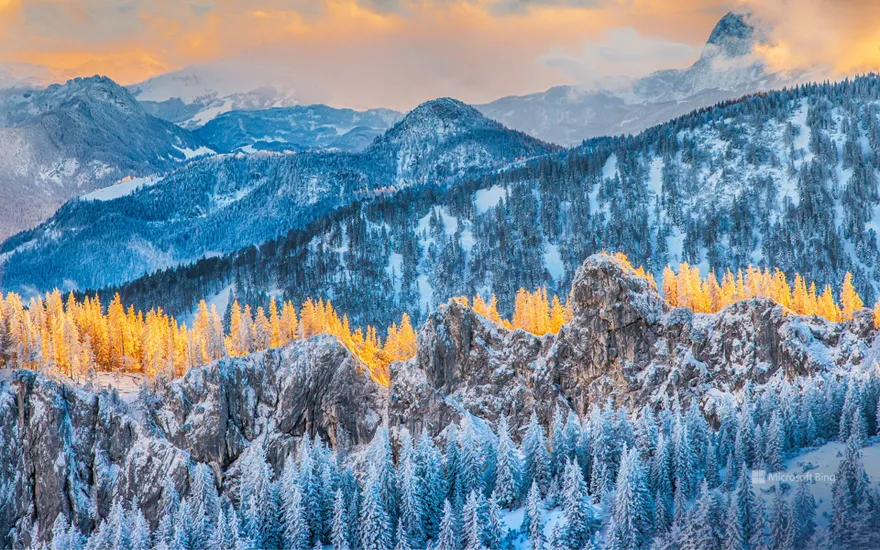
[(66, 140), (786, 179), (217, 205)]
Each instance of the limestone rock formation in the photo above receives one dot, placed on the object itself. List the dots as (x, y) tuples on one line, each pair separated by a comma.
[(67, 450), (624, 342)]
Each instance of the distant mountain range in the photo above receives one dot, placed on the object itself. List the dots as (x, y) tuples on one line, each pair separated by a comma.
[(223, 203), (65, 140), (300, 128), (728, 68)]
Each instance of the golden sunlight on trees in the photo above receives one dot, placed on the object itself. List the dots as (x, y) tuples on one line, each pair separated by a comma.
[(73, 337)]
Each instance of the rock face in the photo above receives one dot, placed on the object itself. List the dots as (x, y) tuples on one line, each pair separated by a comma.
[(623, 342), (67, 449)]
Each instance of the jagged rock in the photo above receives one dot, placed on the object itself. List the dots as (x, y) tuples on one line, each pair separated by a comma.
[(67, 448), (623, 342)]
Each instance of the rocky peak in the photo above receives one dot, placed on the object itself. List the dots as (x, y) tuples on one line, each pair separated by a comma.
[(623, 342), (733, 36)]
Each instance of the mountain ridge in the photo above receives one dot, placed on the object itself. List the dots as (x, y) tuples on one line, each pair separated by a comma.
[(217, 205), (69, 139)]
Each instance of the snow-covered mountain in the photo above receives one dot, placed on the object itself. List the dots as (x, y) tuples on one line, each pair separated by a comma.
[(727, 68), (220, 204), (67, 140), (193, 96), (786, 179), (297, 129)]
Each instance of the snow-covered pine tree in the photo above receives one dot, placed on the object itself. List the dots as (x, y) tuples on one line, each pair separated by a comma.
[(535, 459), (448, 537), (849, 496), (733, 530), (633, 514), (533, 524), (507, 490), (411, 497), (296, 525), (685, 461), (470, 462), (139, 530), (775, 443), (782, 534), (804, 515), (429, 467), (576, 509), (339, 535), (375, 523)]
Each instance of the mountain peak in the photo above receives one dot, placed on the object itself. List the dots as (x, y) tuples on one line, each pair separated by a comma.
[(437, 118), (91, 89), (734, 35)]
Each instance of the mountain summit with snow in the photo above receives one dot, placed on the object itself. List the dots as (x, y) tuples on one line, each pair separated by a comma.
[(69, 139), (726, 69)]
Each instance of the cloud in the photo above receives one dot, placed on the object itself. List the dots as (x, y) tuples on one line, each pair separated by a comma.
[(830, 37), (365, 53), (620, 56)]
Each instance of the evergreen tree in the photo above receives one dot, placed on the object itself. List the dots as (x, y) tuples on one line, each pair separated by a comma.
[(576, 509), (782, 536), (849, 496), (339, 537), (533, 525), (535, 460), (296, 530), (632, 517), (448, 537), (775, 442), (411, 498), (804, 515), (470, 466), (507, 489), (375, 523), (734, 538), (429, 468), (751, 516), (139, 537)]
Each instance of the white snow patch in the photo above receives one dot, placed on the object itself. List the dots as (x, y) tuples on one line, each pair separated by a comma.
[(610, 168), (553, 261), (426, 294), (489, 198), (193, 153), (121, 189)]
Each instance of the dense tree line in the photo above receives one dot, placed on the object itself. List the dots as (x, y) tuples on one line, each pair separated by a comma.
[(669, 477)]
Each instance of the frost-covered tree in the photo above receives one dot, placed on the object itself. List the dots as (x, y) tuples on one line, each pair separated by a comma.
[(576, 509), (804, 515), (448, 536), (536, 466), (633, 514), (375, 523), (507, 490), (533, 524), (782, 534), (339, 536), (850, 495)]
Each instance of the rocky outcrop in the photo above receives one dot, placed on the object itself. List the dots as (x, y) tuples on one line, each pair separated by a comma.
[(623, 342), (67, 449)]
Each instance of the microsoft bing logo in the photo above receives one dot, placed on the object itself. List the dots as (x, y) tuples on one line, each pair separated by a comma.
[(759, 477)]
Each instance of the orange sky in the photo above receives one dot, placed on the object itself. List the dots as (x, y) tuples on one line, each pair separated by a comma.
[(400, 52)]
